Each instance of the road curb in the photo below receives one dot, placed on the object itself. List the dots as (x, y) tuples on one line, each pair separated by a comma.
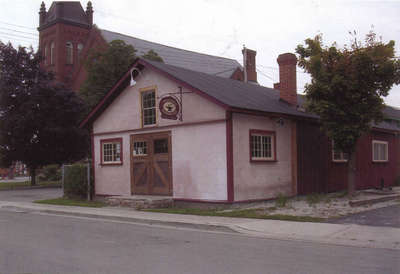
[(374, 200), (29, 187), (212, 227)]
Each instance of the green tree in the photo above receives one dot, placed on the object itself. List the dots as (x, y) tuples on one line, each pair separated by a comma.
[(38, 118), (105, 67), (153, 56), (347, 86)]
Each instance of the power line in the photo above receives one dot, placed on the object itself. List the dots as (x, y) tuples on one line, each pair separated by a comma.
[(2, 22), (12, 40), (269, 77), (24, 32), (19, 36)]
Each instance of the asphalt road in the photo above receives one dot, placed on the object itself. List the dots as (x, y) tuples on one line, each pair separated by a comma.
[(30, 195), (36, 243), (385, 216)]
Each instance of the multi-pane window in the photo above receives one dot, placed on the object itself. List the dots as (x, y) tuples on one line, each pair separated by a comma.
[(46, 55), (380, 151), (111, 151), (80, 48), (149, 107), (70, 56), (140, 148), (338, 155), (52, 53), (262, 145)]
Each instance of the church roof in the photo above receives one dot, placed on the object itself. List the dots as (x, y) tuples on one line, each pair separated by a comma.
[(214, 65), (67, 12)]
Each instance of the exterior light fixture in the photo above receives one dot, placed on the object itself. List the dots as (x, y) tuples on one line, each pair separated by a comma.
[(133, 82)]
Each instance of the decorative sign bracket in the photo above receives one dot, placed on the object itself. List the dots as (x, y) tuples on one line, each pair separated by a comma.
[(171, 105)]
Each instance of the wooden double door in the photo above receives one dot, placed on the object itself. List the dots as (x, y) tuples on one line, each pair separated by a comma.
[(151, 167)]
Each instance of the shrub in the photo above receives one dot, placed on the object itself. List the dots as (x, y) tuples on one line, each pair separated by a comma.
[(281, 200), (75, 181), (397, 181), (314, 198), (51, 173)]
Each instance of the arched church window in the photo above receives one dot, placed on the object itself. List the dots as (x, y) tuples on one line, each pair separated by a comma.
[(46, 55), (52, 53), (70, 50), (80, 48)]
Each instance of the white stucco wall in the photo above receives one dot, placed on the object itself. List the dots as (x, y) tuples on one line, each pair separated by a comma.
[(125, 112), (198, 151), (265, 179), (199, 162)]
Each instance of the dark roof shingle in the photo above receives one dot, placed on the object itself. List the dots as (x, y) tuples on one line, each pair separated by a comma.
[(215, 65)]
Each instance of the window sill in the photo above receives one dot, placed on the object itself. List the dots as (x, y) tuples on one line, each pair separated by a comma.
[(340, 161), (380, 161), (111, 164), (263, 160)]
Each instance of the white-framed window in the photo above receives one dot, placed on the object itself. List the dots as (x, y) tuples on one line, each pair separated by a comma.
[(380, 151), (46, 55), (262, 145), (70, 53), (111, 151), (139, 148), (338, 155), (79, 48), (52, 53), (148, 99)]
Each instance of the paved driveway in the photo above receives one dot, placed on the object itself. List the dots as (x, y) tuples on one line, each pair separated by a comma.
[(386, 216), (29, 195)]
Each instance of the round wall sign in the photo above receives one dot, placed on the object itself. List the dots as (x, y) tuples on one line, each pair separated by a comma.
[(169, 108)]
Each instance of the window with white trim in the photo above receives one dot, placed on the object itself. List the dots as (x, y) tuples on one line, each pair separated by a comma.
[(148, 107), (262, 145), (46, 55), (70, 56), (79, 47), (140, 148), (52, 53), (111, 151), (338, 155), (380, 151)]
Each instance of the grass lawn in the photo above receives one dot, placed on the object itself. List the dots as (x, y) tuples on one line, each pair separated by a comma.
[(245, 213), (70, 202), (27, 184)]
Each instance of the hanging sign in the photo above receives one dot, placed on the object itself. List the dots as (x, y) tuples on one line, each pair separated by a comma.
[(169, 108)]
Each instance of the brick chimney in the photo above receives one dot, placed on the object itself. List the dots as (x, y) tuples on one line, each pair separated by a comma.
[(89, 13), (42, 14), (249, 65), (287, 78)]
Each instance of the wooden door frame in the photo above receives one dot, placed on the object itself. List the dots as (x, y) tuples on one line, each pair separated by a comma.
[(151, 136)]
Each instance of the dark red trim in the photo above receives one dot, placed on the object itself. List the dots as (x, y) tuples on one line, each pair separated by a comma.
[(226, 202), (229, 157), (184, 84), (93, 160), (160, 127), (271, 114), (201, 201), (111, 140), (115, 91), (262, 132)]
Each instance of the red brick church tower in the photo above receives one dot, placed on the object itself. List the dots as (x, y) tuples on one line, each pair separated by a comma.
[(64, 31)]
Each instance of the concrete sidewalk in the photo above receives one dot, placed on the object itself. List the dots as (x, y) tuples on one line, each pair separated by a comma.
[(340, 234)]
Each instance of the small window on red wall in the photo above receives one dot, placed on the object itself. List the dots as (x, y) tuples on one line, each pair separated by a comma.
[(262, 145), (111, 151)]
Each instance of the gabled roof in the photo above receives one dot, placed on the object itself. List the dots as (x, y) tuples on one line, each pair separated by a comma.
[(225, 92), (223, 67), (228, 93), (67, 12)]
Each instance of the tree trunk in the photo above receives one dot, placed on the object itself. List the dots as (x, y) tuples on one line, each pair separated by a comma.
[(33, 176), (351, 174)]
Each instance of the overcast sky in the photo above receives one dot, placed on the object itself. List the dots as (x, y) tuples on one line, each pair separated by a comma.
[(222, 27)]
